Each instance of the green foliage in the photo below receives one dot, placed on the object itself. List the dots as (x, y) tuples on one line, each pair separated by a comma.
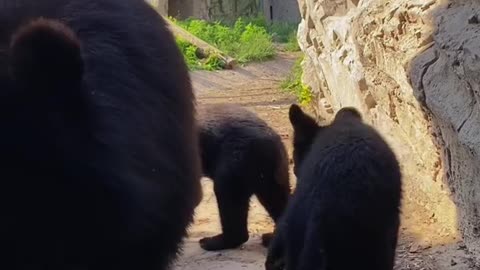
[(293, 83), (255, 44), (189, 52), (247, 39), (292, 42), (258, 21), (213, 62), (281, 32), (244, 41)]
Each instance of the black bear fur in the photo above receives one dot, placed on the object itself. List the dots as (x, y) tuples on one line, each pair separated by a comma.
[(344, 213), (100, 166), (244, 157)]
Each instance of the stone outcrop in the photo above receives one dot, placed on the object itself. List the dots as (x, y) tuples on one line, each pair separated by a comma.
[(413, 68), (446, 80)]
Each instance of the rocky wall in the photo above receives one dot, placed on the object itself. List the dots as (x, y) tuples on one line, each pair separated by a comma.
[(411, 67), (446, 81)]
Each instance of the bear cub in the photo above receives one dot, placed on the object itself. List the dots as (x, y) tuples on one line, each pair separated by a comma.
[(244, 157), (345, 211)]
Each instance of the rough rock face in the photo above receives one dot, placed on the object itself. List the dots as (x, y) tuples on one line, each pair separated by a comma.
[(446, 79), (413, 68)]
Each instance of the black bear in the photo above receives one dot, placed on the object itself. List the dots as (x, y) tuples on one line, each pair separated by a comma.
[(100, 166), (345, 211), (244, 157)]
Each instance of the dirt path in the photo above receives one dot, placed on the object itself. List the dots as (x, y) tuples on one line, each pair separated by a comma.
[(256, 86)]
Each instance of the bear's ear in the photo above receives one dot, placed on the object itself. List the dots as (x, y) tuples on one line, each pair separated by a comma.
[(45, 55), (348, 113), (304, 126)]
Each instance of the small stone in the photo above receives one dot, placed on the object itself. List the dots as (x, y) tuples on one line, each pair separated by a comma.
[(417, 247), (414, 248), (473, 20)]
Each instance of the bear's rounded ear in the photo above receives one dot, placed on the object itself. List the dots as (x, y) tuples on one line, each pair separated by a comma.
[(45, 54), (301, 121), (348, 113)]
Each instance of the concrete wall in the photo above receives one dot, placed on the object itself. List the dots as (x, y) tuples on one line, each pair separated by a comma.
[(160, 5), (181, 9), (229, 10), (281, 10)]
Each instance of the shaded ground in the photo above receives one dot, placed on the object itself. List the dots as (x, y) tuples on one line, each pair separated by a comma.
[(422, 245)]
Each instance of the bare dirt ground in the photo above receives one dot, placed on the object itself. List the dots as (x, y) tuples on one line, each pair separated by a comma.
[(422, 245)]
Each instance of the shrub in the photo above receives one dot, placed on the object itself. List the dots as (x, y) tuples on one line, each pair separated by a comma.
[(247, 39), (244, 41)]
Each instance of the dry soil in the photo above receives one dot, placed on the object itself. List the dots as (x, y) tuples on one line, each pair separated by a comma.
[(257, 86)]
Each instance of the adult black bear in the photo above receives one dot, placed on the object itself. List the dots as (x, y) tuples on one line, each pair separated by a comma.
[(344, 213), (100, 166), (243, 156)]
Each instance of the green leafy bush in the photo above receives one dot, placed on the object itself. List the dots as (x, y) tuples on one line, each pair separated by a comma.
[(281, 32), (255, 44), (248, 39), (244, 41)]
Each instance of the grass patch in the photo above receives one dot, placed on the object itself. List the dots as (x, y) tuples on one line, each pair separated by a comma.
[(293, 84), (281, 32), (245, 42), (247, 39), (292, 42)]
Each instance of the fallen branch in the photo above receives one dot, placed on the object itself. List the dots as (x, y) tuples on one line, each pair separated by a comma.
[(204, 49)]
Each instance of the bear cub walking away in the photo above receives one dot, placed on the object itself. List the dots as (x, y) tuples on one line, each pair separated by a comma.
[(100, 165), (345, 211), (244, 157)]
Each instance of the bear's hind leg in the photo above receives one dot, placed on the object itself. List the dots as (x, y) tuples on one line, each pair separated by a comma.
[(233, 204)]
